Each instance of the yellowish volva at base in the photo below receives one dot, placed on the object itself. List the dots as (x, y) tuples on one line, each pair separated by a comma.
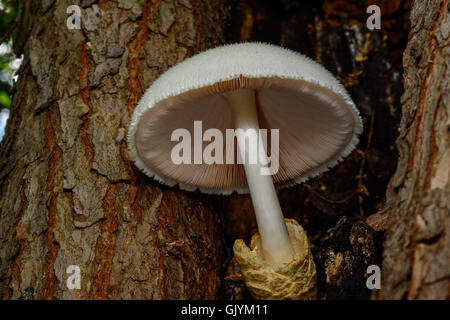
[(295, 280)]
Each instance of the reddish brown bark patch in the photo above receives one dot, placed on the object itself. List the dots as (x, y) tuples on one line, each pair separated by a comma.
[(135, 48), (52, 245), (105, 247)]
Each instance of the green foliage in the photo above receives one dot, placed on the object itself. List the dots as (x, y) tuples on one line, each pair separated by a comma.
[(8, 15), (5, 99)]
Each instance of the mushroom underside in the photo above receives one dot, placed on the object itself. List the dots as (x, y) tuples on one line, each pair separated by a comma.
[(316, 129)]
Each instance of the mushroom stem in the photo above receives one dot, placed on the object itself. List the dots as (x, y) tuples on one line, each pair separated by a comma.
[(275, 240)]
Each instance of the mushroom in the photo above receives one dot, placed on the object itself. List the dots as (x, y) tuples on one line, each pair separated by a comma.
[(246, 86)]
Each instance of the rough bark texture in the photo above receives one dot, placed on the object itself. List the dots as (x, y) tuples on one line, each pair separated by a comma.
[(69, 194), (417, 247)]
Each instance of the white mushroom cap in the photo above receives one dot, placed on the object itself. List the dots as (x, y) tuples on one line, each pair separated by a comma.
[(319, 123)]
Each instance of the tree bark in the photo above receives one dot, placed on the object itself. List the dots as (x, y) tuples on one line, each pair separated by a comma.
[(417, 246), (69, 194)]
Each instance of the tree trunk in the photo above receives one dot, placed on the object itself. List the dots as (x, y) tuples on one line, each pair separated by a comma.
[(417, 246), (69, 194)]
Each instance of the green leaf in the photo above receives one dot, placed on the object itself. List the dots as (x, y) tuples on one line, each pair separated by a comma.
[(5, 100)]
